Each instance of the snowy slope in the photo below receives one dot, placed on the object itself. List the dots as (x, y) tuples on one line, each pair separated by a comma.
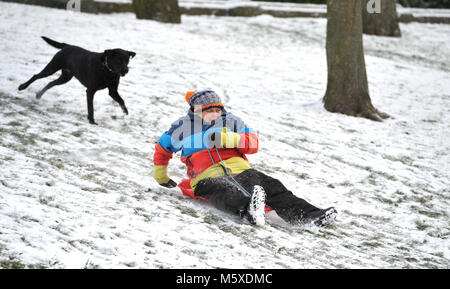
[(73, 195)]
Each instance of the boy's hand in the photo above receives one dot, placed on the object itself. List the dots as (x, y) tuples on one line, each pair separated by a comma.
[(229, 139)]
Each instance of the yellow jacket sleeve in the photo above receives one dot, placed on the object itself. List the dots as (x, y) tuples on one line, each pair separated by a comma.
[(160, 174)]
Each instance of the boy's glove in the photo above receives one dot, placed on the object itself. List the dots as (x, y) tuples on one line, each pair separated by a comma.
[(160, 175), (169, 184), (226, 139)]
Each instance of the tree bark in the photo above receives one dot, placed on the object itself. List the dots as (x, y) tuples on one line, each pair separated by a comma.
[(347, 89), (384, 23), (160, 10)]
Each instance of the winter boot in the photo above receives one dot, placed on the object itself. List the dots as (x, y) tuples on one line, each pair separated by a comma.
[(323, 218), (255, 213)]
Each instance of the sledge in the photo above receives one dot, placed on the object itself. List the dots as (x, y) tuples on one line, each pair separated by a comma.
[(185, 187)]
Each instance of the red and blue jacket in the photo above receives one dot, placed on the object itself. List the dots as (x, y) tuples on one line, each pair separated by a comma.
[(191, 136)]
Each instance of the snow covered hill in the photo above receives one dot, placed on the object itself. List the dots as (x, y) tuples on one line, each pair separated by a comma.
[(73, 195)]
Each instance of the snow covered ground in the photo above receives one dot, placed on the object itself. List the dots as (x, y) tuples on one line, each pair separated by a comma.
[(73, 195)]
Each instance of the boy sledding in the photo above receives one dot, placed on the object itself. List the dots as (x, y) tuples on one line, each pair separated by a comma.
[(214, 144)]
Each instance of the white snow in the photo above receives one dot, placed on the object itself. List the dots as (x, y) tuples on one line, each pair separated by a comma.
[(73, 195)]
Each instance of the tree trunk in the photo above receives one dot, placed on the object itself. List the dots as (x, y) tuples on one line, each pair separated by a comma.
[(160, 10), (347, 89), (383, 22)]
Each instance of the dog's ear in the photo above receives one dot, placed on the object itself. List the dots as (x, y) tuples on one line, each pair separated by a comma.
[(132, 54)]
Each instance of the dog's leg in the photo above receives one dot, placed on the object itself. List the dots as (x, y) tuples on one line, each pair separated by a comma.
[(90, 105), (115, 95), (65, 77), (53, 66)]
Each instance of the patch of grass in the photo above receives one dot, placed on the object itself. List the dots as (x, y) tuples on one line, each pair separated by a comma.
[(48, 140), (411, 259), (38, 266), (167, 242), (16, 147), (138, 211), (430, 120), (24, 138), (12, 264), (346, 184), (45, 200), (90, 265), (147, 217), (304, 176), (59, 165), (212, 219), (14, 123), (369, 169), (421, 226), (29, 219), (2, 248), (188, 211), (372, 244), (371, 179), (141, 212), (101, 190), (420, 200), (430, 214), (398, 192), (406, 160), (131, 264), (51, 264), (4, 183), (401, 199), (77, 133), (349, 130), (89, 177), (231, 229), (8, 158), (384, 200), (139, 197), (380, 219), (387, 176), (337, 158)]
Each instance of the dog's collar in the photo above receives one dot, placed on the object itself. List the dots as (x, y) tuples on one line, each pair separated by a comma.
[(105, 63)]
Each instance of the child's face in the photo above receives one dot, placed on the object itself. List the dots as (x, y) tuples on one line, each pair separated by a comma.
[(211, 114)]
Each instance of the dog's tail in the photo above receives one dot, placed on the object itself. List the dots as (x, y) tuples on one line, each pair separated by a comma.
[(54, 43)]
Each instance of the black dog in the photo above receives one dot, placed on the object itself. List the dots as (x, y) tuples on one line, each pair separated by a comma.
[(95, 71)]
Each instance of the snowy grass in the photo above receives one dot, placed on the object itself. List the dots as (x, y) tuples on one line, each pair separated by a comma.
[(73, 195)]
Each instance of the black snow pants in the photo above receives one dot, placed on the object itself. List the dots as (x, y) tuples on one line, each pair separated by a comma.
[(227, 197)]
